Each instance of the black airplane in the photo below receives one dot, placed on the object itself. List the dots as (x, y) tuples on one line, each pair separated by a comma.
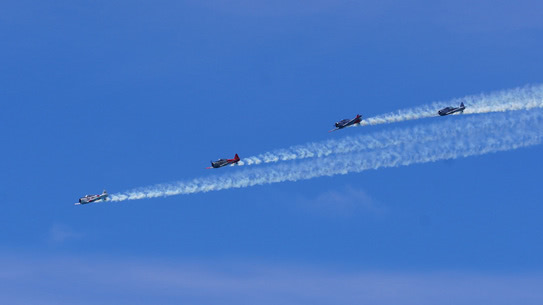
[(451, 110), (347, 122), (224, 162)]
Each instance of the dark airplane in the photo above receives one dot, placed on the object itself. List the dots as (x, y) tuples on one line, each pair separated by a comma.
[(347, 122), (92, 198), (451, 110), (224, 162)]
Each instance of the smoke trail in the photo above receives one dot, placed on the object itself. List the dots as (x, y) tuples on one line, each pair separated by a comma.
[(508, 100), (487, 134), (524, 98), (353, 144)]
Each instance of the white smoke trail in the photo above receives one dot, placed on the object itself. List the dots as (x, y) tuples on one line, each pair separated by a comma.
[(515, 99), (351, 144), (465, 137), (523, 98)]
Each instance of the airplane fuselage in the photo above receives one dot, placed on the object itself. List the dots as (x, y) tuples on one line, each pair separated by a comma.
[(224, 162), (451, 110), (92, 198), (348, 122), (220, 163)]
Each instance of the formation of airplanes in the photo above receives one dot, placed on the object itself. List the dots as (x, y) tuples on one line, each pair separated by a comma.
[(224, 162)]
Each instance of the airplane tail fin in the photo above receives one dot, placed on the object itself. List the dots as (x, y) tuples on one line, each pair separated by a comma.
[(236, 157), (104, 192), (462, 104)]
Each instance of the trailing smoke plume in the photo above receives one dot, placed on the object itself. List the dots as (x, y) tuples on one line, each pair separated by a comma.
[(508, 100), (451, 139), (523, 98)]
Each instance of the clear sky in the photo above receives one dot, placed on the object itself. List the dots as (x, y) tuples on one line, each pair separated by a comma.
[(124, 94)]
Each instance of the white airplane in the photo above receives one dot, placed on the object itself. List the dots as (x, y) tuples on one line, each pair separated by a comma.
[(92, 198)]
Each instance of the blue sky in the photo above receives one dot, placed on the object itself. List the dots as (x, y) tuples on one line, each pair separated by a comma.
[(124, 94)]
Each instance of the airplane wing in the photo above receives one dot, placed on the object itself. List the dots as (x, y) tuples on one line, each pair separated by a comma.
[(333, 129), (209, 167), (353, 121)]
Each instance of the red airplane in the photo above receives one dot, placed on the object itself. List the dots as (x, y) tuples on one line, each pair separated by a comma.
[(224, 162)]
